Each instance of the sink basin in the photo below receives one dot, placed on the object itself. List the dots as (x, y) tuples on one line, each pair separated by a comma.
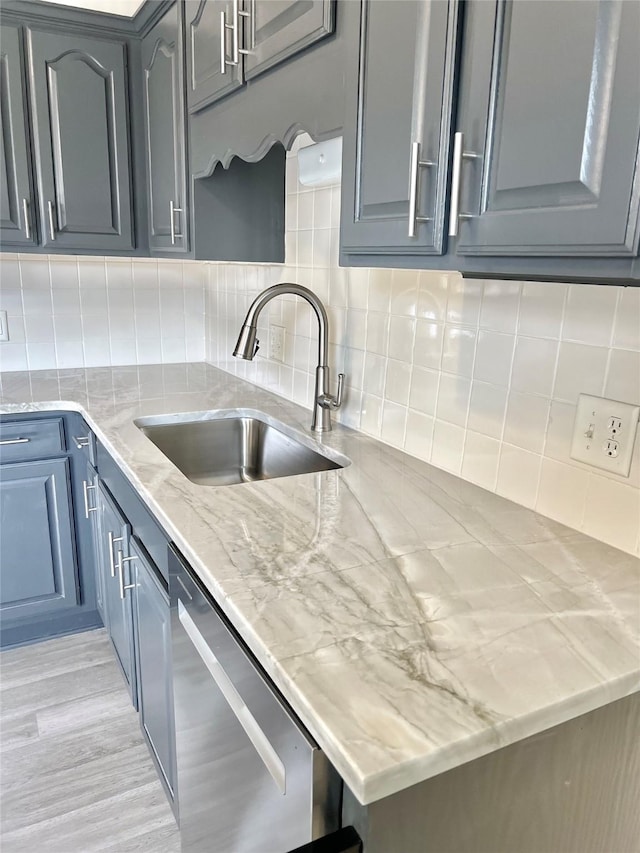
[(225, 447)]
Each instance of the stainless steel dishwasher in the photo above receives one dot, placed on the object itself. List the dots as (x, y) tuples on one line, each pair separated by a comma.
[(250, 778)]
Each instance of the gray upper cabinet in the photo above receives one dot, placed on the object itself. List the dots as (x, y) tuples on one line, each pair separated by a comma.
[(396, 140), (277, 29), (163, 95), (230, 41), (548, 128), (38, 571), (17, 225), (211, 46), (81, 148)]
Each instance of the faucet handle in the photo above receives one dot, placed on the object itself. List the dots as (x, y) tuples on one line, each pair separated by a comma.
[(328, 401), (338, 398)]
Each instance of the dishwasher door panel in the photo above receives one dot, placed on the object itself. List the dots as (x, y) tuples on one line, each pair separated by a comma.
[(247, 772)]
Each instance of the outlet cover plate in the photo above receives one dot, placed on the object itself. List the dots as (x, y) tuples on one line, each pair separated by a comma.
[(604, 433)]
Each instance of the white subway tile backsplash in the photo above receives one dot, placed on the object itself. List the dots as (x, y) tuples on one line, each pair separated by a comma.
[(626, 333), (87, 311), (493, 357), (428, 344), (534, 365), (480, 459), (518, 474), (419, 434), (526, 421), (447, 446), (401, 337), (453, 399), (623, 378), (458, 350), (432, 296), (398, 382), (581, 370), (404, 293), (394, 421), (423, 395), (562, 492), (612, 511), (541, 309), (463, 304), (487, 409), (589, 314), (500, 306), (64, 274)]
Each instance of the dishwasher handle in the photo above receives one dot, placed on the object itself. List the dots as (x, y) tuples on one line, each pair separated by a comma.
[(256, 735), (345, 840)]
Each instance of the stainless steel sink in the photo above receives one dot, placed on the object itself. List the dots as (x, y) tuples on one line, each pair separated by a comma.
[(225, 447)]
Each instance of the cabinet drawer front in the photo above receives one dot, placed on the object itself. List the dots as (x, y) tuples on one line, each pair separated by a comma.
[(31, 439)]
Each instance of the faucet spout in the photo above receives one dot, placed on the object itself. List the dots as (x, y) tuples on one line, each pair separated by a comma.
[(247, 346)]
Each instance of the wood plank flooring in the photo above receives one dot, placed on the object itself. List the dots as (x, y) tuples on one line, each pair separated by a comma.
[(75, 772)]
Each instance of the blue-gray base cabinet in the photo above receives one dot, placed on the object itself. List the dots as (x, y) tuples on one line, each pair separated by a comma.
[(152, 631), (47, 575), (113, 567), (132, 569)]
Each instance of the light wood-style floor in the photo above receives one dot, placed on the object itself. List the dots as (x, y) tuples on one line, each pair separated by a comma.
[(75, 773)]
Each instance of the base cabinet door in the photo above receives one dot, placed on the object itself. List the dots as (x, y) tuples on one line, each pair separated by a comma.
[(153, 659), (17, 224), (114, 568), (81, 146), (396, 140), (548, 128), (38, 571), (163, 82)]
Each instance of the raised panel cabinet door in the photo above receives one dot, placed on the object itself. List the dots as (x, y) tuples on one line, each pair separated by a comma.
[(17, 223), (214, 61), (550, 122), (155, 682), (396, 141), (113, 550), (163, 94), (81, 146), (277, 29), (38, 571)]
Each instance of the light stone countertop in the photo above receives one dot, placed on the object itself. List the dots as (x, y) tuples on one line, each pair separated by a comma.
[(412, 620)]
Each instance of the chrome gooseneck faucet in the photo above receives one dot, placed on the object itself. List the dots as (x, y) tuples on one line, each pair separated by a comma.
[(247, 346)]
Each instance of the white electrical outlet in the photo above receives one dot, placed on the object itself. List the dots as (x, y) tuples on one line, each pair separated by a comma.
[(4, 328), (276, 343), (604, 433)]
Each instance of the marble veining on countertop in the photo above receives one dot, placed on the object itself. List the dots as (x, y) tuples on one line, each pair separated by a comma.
[(412, 620)]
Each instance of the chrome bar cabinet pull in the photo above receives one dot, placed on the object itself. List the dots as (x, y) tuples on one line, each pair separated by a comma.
[(459, 154), (81, 441), (85, 494), (124, 586), (414, 178), (112, 540), (25, 216), (14, 441), (52, 226), (172, 218)]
